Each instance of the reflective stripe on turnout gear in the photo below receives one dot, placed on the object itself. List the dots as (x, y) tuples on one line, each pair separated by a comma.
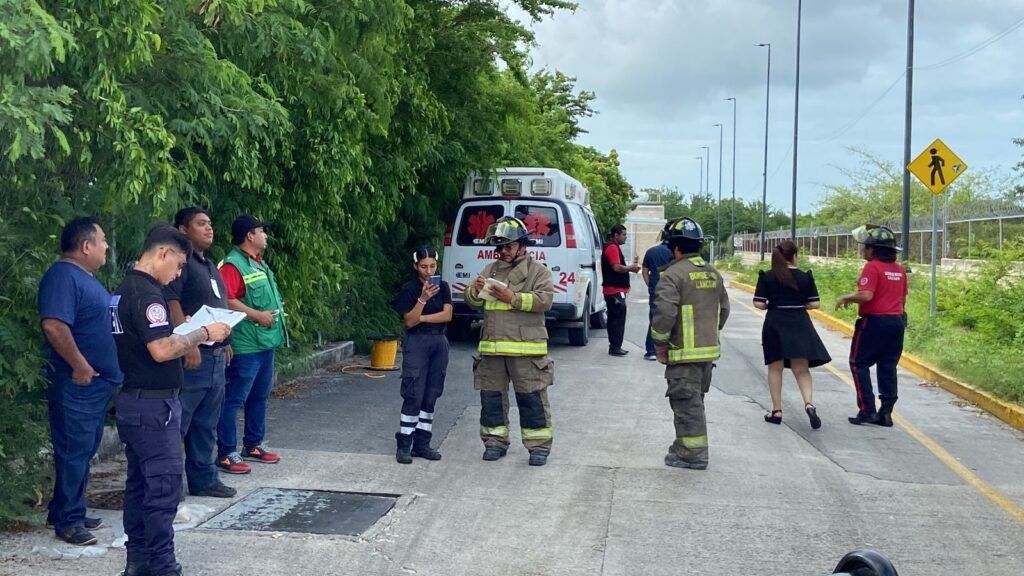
[(694, 441), (690, 351), (537, 433), (500, 431), (496, 305), (526, 302), (513, 348)]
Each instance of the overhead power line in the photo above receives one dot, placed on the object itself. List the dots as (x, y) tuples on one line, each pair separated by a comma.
[(977, 48), (947, 62)]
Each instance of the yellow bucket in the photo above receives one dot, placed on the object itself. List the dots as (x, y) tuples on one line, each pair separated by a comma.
[(385, 349)]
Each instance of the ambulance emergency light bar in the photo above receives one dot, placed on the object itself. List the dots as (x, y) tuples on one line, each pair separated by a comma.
[(514, 187)]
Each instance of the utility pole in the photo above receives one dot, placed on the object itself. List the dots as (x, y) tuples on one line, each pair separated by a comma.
[(718, 230), (764, 174), (732, 226), (700, 182), (707, 182), (796, 120), (907, 115)]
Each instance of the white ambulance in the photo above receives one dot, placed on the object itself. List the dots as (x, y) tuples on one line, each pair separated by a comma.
[(556, 210)]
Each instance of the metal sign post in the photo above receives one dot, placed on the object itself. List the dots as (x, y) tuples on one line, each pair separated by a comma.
[(936, 167)]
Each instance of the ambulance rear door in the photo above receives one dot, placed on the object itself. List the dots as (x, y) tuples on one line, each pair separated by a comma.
[(466, 251), (545, 220)]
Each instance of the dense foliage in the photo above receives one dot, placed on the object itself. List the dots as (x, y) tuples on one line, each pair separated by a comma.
[(350, 124)]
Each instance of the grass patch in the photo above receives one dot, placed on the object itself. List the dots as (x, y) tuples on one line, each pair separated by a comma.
[(977, 335)]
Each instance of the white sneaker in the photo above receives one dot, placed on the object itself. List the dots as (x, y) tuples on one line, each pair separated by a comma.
[(650, 356)]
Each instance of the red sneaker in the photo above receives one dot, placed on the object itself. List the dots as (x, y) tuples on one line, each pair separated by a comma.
[(232, 464), (260, 454)]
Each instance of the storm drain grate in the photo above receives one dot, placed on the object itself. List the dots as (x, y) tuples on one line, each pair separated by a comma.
[(106, 500), (304, 511)]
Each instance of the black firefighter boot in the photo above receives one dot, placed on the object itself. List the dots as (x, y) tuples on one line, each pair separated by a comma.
[(421, 446), (404, 453)]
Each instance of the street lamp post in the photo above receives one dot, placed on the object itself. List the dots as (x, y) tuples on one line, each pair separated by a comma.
[(907, 117), (718, 230), (700, 181), (707, 182), (796, 120), (764, 174), (732, 226)]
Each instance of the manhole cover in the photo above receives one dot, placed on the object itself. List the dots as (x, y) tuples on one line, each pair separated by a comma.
[(106, 500), (305, 511)]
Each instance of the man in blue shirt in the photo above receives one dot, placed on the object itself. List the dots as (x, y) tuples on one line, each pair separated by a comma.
[(74, 309), (654, 259)]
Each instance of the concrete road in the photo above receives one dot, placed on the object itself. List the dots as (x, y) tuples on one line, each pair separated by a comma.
[(941, 493)]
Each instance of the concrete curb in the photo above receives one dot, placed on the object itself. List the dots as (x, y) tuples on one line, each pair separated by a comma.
[(110, 444), (1009, 412)]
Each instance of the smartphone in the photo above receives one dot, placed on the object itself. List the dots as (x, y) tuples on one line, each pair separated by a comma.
[(435, 280)]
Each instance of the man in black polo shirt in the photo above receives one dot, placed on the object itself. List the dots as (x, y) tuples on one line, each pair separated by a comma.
[(148, 412), (202, 393)]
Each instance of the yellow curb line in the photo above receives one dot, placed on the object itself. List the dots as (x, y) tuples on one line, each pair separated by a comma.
[(1009, 412), (966, 474)]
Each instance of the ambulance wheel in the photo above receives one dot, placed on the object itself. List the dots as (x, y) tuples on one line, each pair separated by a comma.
[(580, 336), (459, 330)]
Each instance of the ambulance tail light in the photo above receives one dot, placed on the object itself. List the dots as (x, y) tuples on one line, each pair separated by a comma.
[(448, 235), (570, 235)]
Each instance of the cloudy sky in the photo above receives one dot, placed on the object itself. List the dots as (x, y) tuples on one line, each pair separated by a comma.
[(661, 69)]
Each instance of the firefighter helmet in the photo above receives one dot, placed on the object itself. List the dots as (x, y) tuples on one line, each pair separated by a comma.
[(507, 230), (874, 235), (684, 229), (663, 233)]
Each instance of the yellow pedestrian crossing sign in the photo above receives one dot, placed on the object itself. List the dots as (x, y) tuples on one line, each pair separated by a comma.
[(937, 167)]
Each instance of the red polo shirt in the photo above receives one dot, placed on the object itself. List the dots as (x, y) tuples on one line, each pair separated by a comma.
[(888, 282), (232, 278), (612, 254)]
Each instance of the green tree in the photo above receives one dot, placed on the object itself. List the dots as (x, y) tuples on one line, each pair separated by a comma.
[(875, 193), (349, 124)]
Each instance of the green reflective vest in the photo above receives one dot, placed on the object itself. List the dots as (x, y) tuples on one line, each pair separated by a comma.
[(261, 293)]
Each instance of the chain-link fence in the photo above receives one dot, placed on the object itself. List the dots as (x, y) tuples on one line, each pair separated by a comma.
[(963, 232)]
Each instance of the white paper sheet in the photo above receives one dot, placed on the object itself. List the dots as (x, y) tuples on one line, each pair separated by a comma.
[(207, 315)]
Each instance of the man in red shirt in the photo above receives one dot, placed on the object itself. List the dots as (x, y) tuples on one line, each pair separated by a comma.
[(878, 333), (615, 287)]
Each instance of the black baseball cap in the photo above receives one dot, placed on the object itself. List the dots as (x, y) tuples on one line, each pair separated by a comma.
[(242, 225)]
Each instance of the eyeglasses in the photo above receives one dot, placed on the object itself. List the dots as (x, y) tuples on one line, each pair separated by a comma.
[(510, 247)]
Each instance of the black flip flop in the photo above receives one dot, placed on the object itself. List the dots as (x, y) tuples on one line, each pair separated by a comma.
[(772, 418)]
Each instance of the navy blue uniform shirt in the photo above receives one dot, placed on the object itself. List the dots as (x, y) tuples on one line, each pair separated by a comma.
[(75, 297), (406, 300), (140, 317), (655, 258)]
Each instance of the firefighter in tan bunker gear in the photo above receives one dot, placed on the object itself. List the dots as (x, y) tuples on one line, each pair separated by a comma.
[(691, 307), (514, 293)]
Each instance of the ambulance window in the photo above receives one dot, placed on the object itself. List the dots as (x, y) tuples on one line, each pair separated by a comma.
[(543, 224), (597, 233), (476, 218)]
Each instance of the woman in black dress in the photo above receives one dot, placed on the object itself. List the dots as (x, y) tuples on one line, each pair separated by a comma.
[(425, 304), (788, 337)]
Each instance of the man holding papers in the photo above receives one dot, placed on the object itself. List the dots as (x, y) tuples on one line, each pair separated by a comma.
[(202, 393), (148, 407)]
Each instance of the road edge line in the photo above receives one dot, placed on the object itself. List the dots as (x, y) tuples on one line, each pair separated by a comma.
[(1005, 503), (1009, 412)]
